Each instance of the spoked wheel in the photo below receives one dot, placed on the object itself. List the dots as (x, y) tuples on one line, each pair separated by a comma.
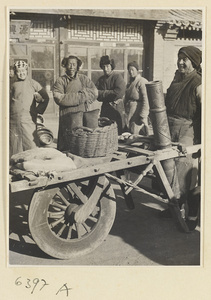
[(73, 219)]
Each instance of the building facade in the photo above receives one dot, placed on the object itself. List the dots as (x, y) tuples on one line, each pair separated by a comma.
[(150, 37)]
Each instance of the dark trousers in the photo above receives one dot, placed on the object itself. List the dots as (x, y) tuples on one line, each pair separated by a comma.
[(72, 120), (90, 118), (114, 112)]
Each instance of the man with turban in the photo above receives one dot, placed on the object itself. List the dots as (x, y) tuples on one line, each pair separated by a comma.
[(183, 99), (183, 103), (111, 89)]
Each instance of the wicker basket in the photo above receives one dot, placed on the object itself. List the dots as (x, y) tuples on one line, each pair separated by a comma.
[(86, 142)]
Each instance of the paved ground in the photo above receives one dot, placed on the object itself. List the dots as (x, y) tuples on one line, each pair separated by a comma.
[(138, 237)]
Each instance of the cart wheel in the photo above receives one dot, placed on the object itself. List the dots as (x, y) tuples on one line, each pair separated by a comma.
[(53, 214)]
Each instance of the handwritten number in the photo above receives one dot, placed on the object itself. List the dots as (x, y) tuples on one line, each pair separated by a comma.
[(45, 283), (35, 281), (17, 281), (28, 283)]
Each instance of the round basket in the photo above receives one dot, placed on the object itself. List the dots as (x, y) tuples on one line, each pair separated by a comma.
[(86, 142)]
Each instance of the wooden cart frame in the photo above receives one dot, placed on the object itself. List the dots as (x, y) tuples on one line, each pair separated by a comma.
[(71, 213)]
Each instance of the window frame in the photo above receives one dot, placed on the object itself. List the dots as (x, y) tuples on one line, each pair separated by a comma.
[(106, 49)]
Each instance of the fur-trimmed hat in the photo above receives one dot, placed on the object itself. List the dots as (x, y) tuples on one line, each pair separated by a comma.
[(105, 60), (65, 61)]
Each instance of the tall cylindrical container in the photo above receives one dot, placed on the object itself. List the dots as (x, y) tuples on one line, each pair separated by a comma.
[(162, 137), (158, 115)]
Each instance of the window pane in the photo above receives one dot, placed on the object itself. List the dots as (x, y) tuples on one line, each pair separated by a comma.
[(80, 53), (118, 56), (83, 72), (122, 73), (42, 57), (18, 50), (96, 75), (17, 59), (135, 55), (95, 58), (45, 78)]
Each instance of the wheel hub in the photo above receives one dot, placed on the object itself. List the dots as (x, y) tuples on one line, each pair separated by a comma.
[(70, 213)]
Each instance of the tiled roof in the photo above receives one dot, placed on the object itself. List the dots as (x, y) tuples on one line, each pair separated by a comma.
[(183, 18), (187, 19)]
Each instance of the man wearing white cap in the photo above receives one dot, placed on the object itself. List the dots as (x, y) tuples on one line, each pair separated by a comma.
[(27, 100)]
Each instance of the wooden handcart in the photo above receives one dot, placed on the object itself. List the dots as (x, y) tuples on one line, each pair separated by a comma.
[(71, 213)]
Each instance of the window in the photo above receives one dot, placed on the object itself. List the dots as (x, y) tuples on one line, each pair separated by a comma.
[(42, 65), (91, 55)]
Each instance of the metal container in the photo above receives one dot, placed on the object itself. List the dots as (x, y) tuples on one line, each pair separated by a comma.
[(158, 115), (162, 137)]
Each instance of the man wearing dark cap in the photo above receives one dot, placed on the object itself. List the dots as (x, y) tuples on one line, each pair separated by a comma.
[(183, 99), (183, 103), (111, 89)]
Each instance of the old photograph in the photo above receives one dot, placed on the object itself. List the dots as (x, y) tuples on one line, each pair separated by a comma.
[(105, 136)]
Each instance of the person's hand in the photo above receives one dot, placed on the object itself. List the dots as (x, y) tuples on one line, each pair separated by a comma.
[(117, 101), (38, 97), (145, 128)]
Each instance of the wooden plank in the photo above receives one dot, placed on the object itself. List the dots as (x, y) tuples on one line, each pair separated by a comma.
[(77, 191), (140, 177), (82, 173), (128, 197), (142, 189), (137, 150), (102, 168), (86, 209), (164, 180), (160, 154)]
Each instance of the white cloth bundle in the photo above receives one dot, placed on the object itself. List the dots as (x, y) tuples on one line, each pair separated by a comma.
[(42, 160)]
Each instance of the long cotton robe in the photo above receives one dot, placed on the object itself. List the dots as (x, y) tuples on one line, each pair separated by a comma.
[(23, 111)]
